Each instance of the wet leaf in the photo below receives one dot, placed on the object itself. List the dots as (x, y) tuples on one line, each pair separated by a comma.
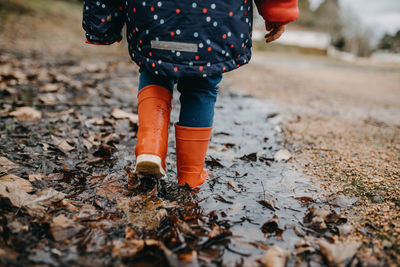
[(272, 226), (26, 114), (266, 204), (15, 190), (283, 155), (120, 114), (275, 257), (145, 211), (62, 228), (62, 144), (250, 157), (7, 165), (338, 254)]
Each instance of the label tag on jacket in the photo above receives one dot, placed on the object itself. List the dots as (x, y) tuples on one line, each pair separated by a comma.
[(177, 46)]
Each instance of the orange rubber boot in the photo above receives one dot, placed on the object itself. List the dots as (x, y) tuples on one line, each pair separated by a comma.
[(191, 150), (154, 109)]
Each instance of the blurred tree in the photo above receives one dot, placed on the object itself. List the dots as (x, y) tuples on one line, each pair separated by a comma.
[(327, 18), (306, 17), (390, 42)]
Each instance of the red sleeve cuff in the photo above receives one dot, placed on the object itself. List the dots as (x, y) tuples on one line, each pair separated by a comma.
[(284, 11)]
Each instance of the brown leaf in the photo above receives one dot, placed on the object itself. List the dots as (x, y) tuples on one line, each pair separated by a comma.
[(120, 114), (49, 87), (36, 177), (15, 190), (62, 144), (338, 254), (62, 228), (6, 165), (26, 114), (275, 257), (144, 211)]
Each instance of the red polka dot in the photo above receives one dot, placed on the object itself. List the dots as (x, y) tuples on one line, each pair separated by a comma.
[(224, 36), (245, 12), (152, 8), (103, 20), (224, 69), (107, 43), (134, 31), (178, 11), (150, 54), (140, 63), (120, 8), (238, 56), (153, 65), (238, 65), (209, 49), (140, 41), (230, 14), (134, 9), (245, 47), (172, 34), (204, 10), (231, 46), (196, 57), (201, 68), (175, 69), (245, 1)]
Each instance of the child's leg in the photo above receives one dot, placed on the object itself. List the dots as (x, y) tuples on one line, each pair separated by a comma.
[(193, 131), (198, 96), (154, 108)]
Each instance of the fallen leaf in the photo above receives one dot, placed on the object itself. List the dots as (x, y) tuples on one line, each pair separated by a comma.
[(144, 211), (11, 180), (250, 157), (283, 154), (7, 165), (16, 190), (275, 257), (36, 177), (62, 144), (62, 228), (26, 114), (338, 254), (49, 87), (120, 114)]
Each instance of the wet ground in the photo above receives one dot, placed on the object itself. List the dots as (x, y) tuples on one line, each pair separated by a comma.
[(68, 196)]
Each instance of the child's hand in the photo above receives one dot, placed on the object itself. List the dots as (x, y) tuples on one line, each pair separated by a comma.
[(274, 29)]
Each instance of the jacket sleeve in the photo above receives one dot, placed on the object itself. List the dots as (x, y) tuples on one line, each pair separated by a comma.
[(284, 11), (103, 21)]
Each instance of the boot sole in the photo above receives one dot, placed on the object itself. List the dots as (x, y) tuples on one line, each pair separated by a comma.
[(149, 165)]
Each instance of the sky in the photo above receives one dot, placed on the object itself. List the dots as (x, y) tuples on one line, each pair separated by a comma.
[(380, 15)]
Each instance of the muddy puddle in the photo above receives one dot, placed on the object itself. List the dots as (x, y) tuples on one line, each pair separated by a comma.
[(75, 201)]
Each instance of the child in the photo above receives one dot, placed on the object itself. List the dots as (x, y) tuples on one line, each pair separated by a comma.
[(190, 43)]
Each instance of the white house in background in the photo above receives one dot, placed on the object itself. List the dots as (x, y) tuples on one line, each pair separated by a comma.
[(301, 38)]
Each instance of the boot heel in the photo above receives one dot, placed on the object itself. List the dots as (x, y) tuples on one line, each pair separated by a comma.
[(149, 165)]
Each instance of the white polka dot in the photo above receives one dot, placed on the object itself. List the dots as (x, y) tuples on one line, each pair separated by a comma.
[(208, 19), (204, 75), (161, 21), (159, 4), (103, 6), (196, 34), (98, 3), (215, 24), (190, 63), (247, 20), (241, 35), (156, 72), (201, 45), (157, 39), (213, 6), (144, 3), (208, 42), (87, 8), (178, 54), (241, 7), (155, 17), (147, 31), (194, 5), (229, 34), (159, 61), (223, 51), (147, 59), (178, 31), (208, 64)]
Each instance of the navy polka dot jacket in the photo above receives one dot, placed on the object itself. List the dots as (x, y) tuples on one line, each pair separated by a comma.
[(182, 38)]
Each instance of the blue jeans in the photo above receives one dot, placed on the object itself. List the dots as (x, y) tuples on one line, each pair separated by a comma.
[(198, 96)]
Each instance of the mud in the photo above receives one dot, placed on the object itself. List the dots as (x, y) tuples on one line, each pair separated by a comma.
[(250, 204)]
